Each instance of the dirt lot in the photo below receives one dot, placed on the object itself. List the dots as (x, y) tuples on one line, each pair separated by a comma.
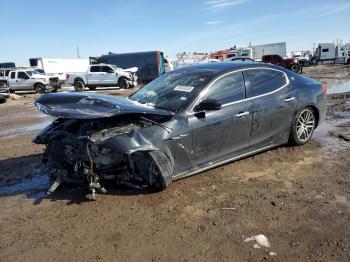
[(298, 197)]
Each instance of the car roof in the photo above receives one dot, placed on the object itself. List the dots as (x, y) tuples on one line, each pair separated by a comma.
[(219, 68)]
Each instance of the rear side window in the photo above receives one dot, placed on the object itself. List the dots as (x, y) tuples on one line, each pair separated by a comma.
[(227, 89), (13, 75), (262, 81), (95, 69)]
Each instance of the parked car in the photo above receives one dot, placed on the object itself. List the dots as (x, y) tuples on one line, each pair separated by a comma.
[(150, 64), (289, 63), (103, 75), (184, 122), (28, 79)]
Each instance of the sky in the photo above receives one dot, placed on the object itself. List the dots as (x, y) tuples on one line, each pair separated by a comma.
[(55, 28)]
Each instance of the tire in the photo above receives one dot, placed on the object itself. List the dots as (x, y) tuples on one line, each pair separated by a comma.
[(303, 127), (295, 68), (40, 88), (123, 83), (79, 85), (153, 168), (92, 87)]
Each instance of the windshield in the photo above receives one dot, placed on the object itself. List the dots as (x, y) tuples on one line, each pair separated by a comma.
[(30, 73), (116, 67), (172, 91)]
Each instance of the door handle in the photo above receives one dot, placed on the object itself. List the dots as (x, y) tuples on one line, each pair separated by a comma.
[(242, 114), (289, 99)]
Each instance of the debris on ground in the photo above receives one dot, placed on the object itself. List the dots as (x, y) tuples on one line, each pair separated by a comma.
[(260, 240)]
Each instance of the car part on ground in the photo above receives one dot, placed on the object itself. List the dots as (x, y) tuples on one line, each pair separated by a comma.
[(4, 94), (169, 129)]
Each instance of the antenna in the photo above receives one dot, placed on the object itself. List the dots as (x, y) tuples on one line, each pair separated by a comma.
[(78, 55)]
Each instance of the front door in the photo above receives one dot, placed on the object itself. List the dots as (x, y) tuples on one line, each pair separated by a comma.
[(273, 105), (94, 75), (24, 81), (109, 77), (224, 133)]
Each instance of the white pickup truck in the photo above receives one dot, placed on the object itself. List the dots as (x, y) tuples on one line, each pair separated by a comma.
[(103, 75), (29, 79)]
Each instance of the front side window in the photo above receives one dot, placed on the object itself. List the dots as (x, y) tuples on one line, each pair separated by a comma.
[(262, 81), (107, 69), (227, 89), (22, 75)]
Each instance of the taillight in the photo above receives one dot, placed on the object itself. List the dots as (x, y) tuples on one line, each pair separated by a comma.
[(324, 88), (67, 76)]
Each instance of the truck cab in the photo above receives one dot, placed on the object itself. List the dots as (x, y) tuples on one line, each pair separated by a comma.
[(100, 75), (290, 63), (28, 79)]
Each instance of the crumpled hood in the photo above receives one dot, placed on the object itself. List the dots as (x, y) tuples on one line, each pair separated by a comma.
[(39, 76), (131, 69), (91, 106)]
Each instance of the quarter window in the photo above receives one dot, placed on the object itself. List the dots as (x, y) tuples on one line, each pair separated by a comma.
[(95, 69), (13, 75), (227, 89), (262, 81)]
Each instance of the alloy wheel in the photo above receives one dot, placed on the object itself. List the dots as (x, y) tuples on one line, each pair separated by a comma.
[(305, 125)]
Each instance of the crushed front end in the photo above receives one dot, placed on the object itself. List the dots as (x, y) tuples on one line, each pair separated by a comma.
[(92, 152)]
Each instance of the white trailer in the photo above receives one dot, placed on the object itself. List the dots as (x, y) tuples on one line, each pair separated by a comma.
[(60, 67), (270, 49)]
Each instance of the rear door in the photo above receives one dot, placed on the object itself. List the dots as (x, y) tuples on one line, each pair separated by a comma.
[(273, 105), (223, 133), (94, 75)]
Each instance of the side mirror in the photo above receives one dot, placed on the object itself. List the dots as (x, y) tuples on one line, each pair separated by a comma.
[(208, 105)]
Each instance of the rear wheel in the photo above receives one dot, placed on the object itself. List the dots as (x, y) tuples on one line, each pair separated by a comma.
[(79, 86), (123, 83), (303, 126), (295, 68), (40, 88)]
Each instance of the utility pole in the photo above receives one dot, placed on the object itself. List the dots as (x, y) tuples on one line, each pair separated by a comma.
[(78, 52)]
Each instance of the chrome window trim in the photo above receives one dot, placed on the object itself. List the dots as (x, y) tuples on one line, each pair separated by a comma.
[(202, 93)]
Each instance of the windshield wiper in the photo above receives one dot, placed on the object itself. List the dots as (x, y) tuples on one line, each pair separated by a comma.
[(156, 123)]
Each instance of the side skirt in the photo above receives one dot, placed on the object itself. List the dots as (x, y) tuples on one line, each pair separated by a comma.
[(223, 162)]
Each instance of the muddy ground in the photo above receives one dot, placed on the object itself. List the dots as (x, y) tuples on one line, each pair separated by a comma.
[(298, 197)]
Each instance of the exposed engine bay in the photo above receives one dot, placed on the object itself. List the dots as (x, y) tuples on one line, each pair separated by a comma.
[(101, 150)]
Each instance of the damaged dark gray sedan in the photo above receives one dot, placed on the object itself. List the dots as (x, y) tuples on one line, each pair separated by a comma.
[(182, 123)]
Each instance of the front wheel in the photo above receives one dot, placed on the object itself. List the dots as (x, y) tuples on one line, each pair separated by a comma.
[(40, 88), (123, 83), (303, 126), (295, 68)]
